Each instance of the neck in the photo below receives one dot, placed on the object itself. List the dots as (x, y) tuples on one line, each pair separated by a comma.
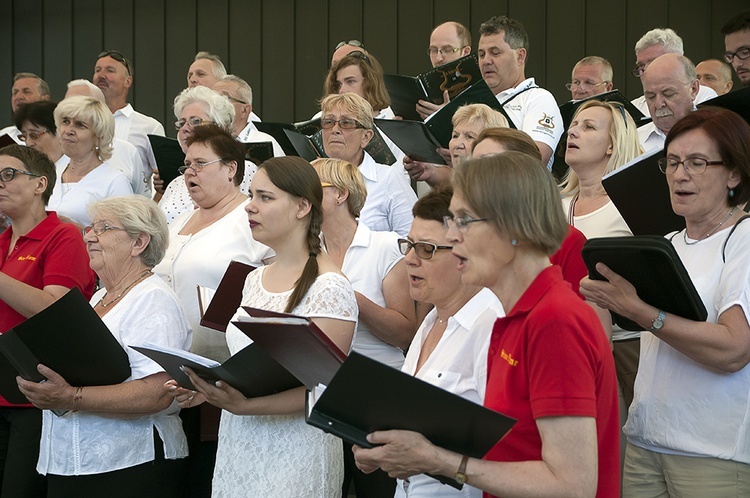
[(117, 103), (455, 302), (590, 183), (116, 282), (338, 230), (293, 250), (81, 166), (719, 218), (25, 221), (358, 158), (223, 205), (511, 284)]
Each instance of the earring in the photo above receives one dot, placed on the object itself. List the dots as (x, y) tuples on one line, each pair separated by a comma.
[(731, 193), (230, 179), (514, 242)]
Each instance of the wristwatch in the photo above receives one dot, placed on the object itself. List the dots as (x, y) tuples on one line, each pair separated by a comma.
[(460, 476), (658, 322)]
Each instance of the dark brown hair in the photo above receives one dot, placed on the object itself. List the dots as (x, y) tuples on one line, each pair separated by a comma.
[(434, 205), (36, 162), (223, 144)]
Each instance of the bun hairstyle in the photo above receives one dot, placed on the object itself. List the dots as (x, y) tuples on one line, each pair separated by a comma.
[(298, 178)]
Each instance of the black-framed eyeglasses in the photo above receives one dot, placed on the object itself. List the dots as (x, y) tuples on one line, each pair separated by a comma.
[(8, 174), (353, 43), (423, 250), (462, 222), (692, 165), (344, 123), (197, 167), (119, 58), (34, 135), (232, 99), (99, 228), (639, 69), (584, 84), (360, 55), (742, 54), (433, 51), (193, 122)]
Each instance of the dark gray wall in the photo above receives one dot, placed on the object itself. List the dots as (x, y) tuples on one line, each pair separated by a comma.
[(282, 47)]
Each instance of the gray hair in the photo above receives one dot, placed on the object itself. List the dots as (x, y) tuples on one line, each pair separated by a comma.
[(217, 67), (91, 110), (43, 86), (217, 107), (592, 60), (137, 215), (243, 87), (670, 40), (94, 91)]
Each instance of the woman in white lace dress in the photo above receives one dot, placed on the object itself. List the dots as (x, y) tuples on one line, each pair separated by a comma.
[(265, 447)]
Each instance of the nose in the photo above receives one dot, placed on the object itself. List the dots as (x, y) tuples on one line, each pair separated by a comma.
[(411, 258), (453, 234)]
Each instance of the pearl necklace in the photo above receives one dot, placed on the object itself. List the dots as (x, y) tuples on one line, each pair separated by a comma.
[(684, 234), (105, 305)]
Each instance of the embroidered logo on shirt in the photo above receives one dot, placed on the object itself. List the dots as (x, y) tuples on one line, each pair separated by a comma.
[(509, 358), (547, 122), (27, 258)]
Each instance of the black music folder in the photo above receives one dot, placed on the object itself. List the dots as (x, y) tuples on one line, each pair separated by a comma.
[(413, 138), (251, 371), (226, 299), (258, 152), (653, 266), (737, 101), (641, 194), (366, 396), (68, 337), (295, 342), (168, 155), (568, 109), (455, 77)]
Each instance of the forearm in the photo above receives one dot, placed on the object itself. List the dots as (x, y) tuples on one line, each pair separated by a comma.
[(25, 299), (136, 397), (386, 324)]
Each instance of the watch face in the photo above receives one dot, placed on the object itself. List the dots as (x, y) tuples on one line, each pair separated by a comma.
[(657, 324), (460, 478)]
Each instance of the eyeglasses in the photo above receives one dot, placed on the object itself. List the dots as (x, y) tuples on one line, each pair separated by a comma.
[(462, 222), (99, 228), (344, 123), (433, 51), (639, 69), (359, 55), (692, 165), (232, 99), (193, 122), (8, 174), (118, 57), (742, 54), (34, 135), (197, 167), (584, 84), (423, 250), (353, 43)]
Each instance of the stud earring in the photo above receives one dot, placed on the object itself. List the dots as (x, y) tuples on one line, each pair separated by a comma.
[(731, 193)]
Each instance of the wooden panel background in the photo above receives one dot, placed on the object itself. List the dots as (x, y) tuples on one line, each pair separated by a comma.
[(283, 47)]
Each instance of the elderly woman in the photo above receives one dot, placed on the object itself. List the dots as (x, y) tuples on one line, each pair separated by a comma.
[(36, 121), (377, 272), (347, 129), (214, 167), (107, 442), (265, 447), (451, 345), (549, 364), (193, 107), (86, 129), (41, 258), (690, 372), (468, 123)]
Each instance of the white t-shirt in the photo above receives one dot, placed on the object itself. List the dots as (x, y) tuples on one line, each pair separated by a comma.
[(681, 406), (457, 364), (72, 199), (369, 259), (83, 443), (125, 159), (389, 198), (201, 259)]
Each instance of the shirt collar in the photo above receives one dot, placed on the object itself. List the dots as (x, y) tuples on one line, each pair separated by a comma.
[(473, 309), (361, 236), (40, 231), (368, 169), (538, 288), (505, 94), (126, 111)]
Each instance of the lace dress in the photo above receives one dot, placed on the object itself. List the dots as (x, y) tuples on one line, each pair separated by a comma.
[(280, 455)]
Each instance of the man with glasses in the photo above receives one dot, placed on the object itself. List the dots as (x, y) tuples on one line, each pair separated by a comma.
[(113, 74), (653, 44), (240, 94), (670, 86), (737, 44), (27, 88), (591, 76)]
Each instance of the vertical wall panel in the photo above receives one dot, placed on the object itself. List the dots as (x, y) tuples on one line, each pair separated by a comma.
[(691, 19), (88, 35), (414, 26), (450, 10), (180, 48), (245, 42), (27, 35), (118, 27), (213, 27), (566, 40), (311, 63), (380, 29), (58, 41), (637, 25), (533, 15), (8, 66), (608, 39), (278, 60), (147, 93), (481, 10)]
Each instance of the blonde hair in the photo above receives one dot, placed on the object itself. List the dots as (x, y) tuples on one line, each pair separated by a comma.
[(622, 135), (90, 110), (346, 177), (352, 104), (489, 117)]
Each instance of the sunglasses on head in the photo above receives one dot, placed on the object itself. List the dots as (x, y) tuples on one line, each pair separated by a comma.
[(360, 55), (118, 57), (353, 43)]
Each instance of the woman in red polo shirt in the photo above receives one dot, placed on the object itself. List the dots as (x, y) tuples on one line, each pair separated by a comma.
[(41, 258)]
